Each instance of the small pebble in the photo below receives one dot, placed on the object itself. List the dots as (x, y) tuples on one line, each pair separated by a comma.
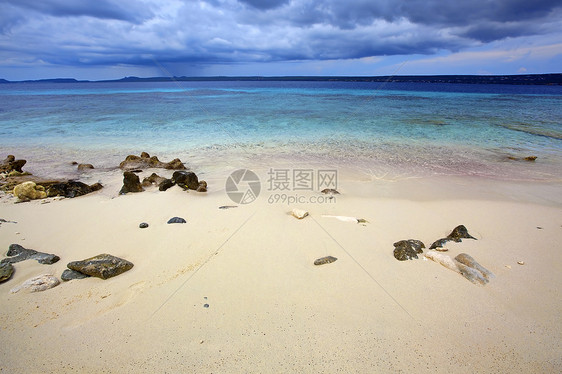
[(176, 220), (299, 213), (508, 266), (205, 305), (538, 227), (325, 260), (440, 249), (521, 262), (143, 225)]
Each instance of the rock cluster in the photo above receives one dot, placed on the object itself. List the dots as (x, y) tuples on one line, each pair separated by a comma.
[(17, 253), (28, 187), (133, 162), (11, 164), (187, 180)]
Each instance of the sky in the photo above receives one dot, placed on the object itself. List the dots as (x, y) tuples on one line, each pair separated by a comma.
[(110, 39)]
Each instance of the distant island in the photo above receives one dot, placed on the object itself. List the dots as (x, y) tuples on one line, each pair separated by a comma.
[(526, 79)]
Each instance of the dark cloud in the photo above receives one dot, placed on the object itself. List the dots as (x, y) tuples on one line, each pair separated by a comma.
[(103, 9), (489, 32), (112, 32), (265, 4)]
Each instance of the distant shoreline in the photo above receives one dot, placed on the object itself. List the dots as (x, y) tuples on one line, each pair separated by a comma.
[(526, 79)]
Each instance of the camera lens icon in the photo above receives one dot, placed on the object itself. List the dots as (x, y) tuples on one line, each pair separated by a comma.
[(243, 186)]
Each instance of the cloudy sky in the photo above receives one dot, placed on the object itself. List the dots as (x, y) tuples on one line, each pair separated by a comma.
[(103, 39)]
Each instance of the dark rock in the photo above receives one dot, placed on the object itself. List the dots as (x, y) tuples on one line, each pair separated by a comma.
[(438, 243), (153, 180), (85, 166), (131, 183), (330, 191), (205, 305), (6, 271), (407, 249), (527, 158), (165, 184), (145, 161), (202, 187), (2, 220), (17, 253), (324, 260), (69, 274), (460, 232), (176, 220), (11, 164), (103, 266), (143, 225), (186, 180), (72, 189)]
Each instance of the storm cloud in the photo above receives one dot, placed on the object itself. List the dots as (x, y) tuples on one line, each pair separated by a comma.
[(205, 32)]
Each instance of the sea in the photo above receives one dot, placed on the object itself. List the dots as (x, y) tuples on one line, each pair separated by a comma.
[(376, 128)]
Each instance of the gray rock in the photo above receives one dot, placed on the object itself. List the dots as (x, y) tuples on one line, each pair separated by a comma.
[(407, 249), (6, 271), (17, 253), (103, 266), (69, 274), (324, 260), (176, 220)]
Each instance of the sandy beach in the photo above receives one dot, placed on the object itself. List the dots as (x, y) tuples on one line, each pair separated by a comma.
[(236, 291)]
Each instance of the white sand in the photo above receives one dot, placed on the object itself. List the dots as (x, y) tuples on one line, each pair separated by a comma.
[(270, 309)]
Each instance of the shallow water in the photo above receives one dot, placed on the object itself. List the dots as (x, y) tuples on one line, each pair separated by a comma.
[(399, 129)]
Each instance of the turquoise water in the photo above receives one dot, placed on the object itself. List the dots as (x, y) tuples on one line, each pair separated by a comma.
[(417, 129)]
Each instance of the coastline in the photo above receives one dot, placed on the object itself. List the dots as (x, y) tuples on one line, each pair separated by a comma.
[(270, 309)]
